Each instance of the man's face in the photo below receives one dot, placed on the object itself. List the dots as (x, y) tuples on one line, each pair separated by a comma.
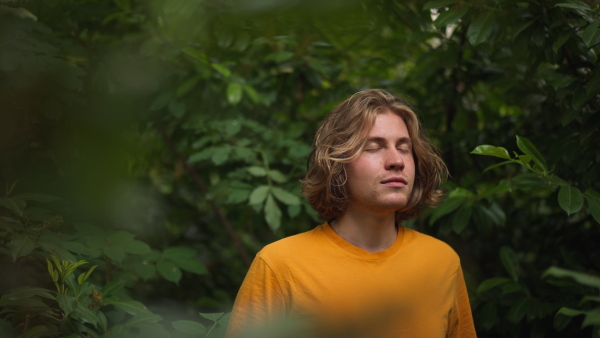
[(381, 179)]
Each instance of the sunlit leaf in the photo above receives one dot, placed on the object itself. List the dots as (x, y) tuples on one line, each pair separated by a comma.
[(234, 93), (491, 151), (579, 277)]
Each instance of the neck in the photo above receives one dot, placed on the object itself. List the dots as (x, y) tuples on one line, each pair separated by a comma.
[(372, 233)]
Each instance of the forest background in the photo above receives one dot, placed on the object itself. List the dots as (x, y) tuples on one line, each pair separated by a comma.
[(149, 149)]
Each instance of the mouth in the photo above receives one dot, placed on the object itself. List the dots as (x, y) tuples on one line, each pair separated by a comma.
[(395, 182)]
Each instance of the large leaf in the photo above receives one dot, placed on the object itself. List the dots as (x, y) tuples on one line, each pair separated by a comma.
[(21, 245), (272, 213), (491, 151), (510, 260), (285, 197), (570, 199), (461, 218), (593, 201), (259, 194), (574, 4), (481, 29), (448, 205), (450, 16), (491, 283), (169, 271), (529, 149), (579, 277), (130, 306)]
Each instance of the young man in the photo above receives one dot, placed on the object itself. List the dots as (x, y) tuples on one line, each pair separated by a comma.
[(361, 273)]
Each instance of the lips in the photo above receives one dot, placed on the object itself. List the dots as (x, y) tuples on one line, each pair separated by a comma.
[(395, 182)]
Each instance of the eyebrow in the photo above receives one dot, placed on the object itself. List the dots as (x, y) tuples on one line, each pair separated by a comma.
[(381, 140)]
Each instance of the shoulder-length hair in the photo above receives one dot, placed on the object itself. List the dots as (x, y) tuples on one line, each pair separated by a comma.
[(341, 138)]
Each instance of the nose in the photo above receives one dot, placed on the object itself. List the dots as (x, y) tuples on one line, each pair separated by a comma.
[(394, 160)]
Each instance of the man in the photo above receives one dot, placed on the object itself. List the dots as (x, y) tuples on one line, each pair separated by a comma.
[(361, 273)]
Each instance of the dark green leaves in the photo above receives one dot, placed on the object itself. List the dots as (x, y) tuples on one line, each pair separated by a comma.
[(481, 29), (529, 149), (450, 16), (591, 34), (438, 4), (510, 261)]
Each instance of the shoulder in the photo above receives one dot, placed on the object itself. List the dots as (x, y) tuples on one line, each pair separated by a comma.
[(292, 245), (430, 246)]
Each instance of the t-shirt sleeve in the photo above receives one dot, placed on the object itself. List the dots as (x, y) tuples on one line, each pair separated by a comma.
[(259, 301), (461, 319)]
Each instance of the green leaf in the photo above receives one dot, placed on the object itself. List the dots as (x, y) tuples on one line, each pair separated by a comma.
[(592, 318), (199, 56), (169, 271), (144, 269), (234, 93), (510, 260), (518, 310), (12, 205), (259, 194), (574, 4), (114, 252), (136, 247), (187, 86), (221, 69), (257, 171), (221, 155), (130, 306), (285, 197), (450, 16), (491, 283), (593, 86), (438, 4), (203, 155), (570, 199), (213, 317), (21, 245), (272, 213), (28, 292), (569, 312), (593, 201), (581, 278), (193, 266), (84, 314), (493, 166), (277, 176), (66, 303), (251, 92), (481, 29), (591, 34), (177, 108), (492, 151), (448, 205), (529, 149), (461, 218), (189, 327), (139, 320)]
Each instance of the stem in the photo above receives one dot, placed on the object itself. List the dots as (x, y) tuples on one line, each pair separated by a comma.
[(266, 163)]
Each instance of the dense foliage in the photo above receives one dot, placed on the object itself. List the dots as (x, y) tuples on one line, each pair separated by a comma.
[(150, 148)]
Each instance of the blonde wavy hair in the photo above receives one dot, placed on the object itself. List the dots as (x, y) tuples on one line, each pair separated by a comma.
[(341, 138)]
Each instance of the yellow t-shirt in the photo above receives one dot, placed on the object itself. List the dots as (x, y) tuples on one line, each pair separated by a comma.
[(414, 288)]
